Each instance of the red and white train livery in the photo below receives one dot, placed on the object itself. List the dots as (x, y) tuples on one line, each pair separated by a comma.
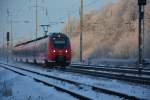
[(52, 50)]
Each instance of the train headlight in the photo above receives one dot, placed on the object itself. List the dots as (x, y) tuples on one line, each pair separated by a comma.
[(54, 51), (66, 51)]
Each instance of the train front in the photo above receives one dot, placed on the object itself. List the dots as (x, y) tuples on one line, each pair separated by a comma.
[(59, 49)]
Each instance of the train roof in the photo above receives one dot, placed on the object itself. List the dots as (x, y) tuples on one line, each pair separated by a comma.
[(50, 35), (56, 34)]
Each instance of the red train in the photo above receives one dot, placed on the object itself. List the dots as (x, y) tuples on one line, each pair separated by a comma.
[(51, 50)]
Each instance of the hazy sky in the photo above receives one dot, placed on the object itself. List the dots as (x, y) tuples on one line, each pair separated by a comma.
[(24, 10)]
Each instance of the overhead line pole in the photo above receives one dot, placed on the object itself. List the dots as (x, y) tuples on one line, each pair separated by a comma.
[(36, 18), (12, 40), (36, 29), (9, 36), (141, 32), (3, 45), (81, 29), (6, 34)]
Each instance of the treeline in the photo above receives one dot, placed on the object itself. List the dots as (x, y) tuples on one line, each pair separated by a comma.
[(110, 32)]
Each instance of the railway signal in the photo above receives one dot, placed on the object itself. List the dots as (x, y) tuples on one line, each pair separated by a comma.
[(141, 4), (8, 37), (8, 40)]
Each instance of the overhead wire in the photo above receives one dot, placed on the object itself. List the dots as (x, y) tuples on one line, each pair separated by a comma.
[(85, 6)]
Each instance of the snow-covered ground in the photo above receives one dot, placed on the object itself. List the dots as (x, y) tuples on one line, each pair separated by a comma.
[(110, 62), (16, 87), (141, 91), (19, 82), (82, 89)]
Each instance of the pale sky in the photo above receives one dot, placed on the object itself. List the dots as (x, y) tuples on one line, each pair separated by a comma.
[(24, 10)]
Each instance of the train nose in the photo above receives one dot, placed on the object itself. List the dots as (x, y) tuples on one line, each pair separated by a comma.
[(60, 52), (60, 59)]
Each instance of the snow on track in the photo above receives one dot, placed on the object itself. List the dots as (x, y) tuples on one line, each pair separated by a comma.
[(25, 88), (82, 90), (115, 85)]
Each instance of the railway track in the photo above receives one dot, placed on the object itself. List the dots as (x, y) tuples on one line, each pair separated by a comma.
[(145, 67), (113, 73), (46, 79), (128, 70)]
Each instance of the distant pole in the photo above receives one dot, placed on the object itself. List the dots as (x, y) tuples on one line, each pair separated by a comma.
[(3, 46), (10, 42), (81, 28), (9, 15), (68, 25), (36, 28), (7, 42), (36, 18), (11, 31), (69, 28)]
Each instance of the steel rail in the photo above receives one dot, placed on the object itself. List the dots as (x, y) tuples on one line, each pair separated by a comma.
[(94, 88), (113, 69), (111, 75)]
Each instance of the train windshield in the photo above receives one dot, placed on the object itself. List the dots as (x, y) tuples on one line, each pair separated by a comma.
[(60, 43)]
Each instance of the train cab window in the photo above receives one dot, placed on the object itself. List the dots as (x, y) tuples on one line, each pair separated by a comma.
[(60, 42)]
